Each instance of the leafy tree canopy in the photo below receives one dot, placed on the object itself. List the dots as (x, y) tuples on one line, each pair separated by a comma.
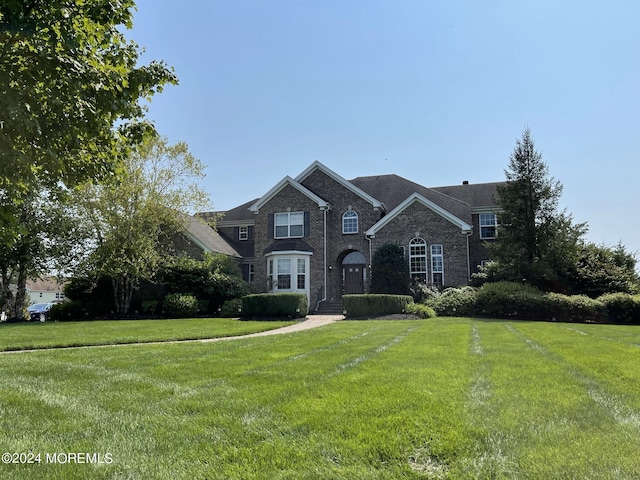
[(136, 216), (68, 76)]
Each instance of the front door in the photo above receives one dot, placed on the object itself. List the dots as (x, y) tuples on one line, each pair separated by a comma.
[(353, 279)]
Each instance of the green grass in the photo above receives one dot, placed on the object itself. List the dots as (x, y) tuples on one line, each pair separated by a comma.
[(443, 398), (33, 335)]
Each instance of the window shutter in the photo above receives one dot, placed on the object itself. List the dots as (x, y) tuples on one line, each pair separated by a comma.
[(236, 233), (307, 227), (270, 225)]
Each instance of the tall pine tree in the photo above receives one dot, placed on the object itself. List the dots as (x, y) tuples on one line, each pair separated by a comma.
[(536, 243)]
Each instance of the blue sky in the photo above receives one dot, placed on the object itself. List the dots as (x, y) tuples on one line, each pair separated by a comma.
[(434, 91)]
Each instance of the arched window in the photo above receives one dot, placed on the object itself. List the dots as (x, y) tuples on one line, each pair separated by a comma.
[(350, 222), (418, 259)]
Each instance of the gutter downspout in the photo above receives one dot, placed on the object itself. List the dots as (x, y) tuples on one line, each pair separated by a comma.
[(324, 273), (468, 259), (370, 269)]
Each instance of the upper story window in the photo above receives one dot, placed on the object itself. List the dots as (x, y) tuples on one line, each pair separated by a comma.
[(243, 233), (289, 225), (350, 222), (488, 225)]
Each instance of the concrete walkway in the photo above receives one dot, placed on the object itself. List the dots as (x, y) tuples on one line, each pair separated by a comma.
[(312, 321)]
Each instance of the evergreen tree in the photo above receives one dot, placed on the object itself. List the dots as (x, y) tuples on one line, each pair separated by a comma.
[(536, 243), (389, 270)]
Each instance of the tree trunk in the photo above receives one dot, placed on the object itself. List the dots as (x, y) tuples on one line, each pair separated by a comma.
[(122, 294), (17, 304)]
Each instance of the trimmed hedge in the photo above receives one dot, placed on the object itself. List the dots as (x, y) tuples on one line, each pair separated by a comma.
[(231, 308), (575, 308), (374, 305), (622, 307), (514, 300), (278, 305)]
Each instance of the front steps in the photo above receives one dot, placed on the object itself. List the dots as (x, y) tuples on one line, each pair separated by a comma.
[(329, 308)]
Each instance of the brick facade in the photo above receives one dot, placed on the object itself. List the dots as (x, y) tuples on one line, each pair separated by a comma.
[(322, 251)]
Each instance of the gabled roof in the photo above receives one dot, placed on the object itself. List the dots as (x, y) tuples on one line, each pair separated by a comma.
[(207, 238), (317, 166), (288, 181), (478, 195), (416, 197), (393, 190)]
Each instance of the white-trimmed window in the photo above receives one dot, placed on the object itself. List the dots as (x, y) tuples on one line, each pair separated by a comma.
[(252, 272), (350, 222), (289, 225), (243, 233), (289, 272), (488, 225), (437, 265), (283, 274), (301, 273), (418, 259)]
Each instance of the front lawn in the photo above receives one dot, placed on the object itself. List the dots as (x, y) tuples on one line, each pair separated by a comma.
[(441, 398), (22, 336)]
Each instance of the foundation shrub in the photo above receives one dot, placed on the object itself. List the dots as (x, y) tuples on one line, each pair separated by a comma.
[(454, 302), (511, 300), (375, 305), (421, 310), (275, 305)]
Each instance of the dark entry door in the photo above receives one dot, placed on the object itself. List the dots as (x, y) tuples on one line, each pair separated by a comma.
[(353, 279)]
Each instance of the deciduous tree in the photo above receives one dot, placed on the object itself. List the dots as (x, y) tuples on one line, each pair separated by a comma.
[(70, 91), (136, 216)]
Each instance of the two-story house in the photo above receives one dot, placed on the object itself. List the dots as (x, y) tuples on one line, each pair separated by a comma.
[(316, 233)]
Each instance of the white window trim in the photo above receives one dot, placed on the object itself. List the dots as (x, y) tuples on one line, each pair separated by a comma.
[(433, 266), (288, 225), (493, 225), (293, 256), (422, 273), (350, 214), (243, 232)]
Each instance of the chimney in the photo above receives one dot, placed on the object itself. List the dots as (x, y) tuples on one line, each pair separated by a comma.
[(465, 182)]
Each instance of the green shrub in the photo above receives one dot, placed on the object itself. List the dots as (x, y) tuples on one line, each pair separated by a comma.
[(454, 302), (149, 307), (374, 305), (278, 305), (70, 311), (231, 308), (511, 300), (180, 305), (622, 307), (421, 310), (575, 308)]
